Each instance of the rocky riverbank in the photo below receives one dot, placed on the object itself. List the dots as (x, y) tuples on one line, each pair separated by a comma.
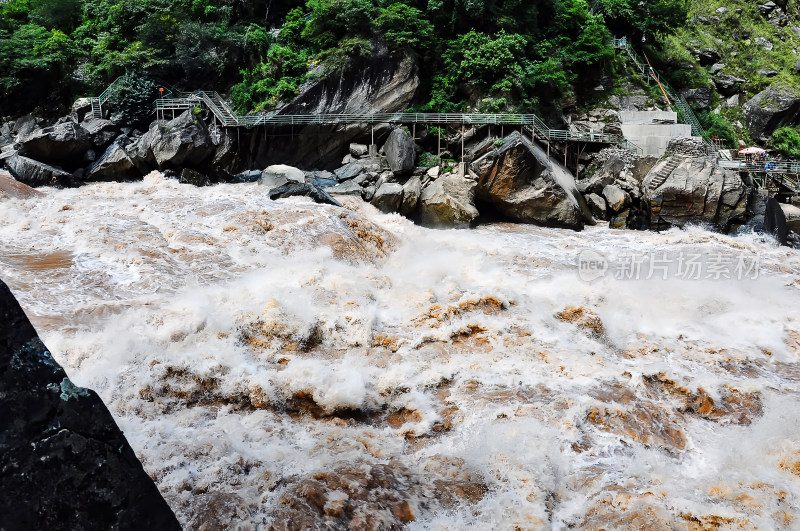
[(503, 178)]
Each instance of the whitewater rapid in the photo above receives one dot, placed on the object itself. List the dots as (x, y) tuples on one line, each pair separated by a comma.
[(290, 365)]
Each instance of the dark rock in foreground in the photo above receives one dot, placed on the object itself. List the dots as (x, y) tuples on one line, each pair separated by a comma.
[(35, 173), (64, 463), (303, 189)]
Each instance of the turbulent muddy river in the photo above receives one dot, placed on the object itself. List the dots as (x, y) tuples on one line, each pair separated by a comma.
[(293, 365)]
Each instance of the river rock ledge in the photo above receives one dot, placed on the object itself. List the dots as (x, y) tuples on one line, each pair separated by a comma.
[(64, 463)]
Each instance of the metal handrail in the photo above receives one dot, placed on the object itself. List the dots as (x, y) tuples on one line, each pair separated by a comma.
[(227, 117)]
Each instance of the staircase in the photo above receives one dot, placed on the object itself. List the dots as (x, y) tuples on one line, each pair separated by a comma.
[(97, 108), (664, 173), (674, 99), (219, 108)]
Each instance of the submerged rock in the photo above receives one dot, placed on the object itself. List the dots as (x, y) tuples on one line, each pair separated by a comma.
[(303, 189), (190, 176), (66, 464)]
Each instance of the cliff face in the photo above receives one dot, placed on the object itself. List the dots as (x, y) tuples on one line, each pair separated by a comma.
[(64, 463), (378, 85)]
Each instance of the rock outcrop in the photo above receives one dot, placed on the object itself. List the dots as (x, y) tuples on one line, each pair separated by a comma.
[(769, 109), (65, 463), (680, 190), (377, 84), (520, 182)]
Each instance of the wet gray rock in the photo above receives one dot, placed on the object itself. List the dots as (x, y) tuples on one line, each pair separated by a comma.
[(769, 109), (66, 464), (346, 188), (388, 197), (449, 201), (62, 142), (303, 189), (400, 152), (249, 176), (190, 176), (348, 171), (597, 205), (697, 190), (115, 164), (35, 173), (411, 192)]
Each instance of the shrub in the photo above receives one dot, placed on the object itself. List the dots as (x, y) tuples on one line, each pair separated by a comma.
[(786, 140)]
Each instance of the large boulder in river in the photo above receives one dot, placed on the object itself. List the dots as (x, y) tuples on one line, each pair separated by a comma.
[(769, 109), (183, 141), (280, 174), (35, 173), (449, 201), (519, 181), (681, 190), (66, 464), (115, 164), (400, 152), (62, 142), (388, 197), (10, 187), (412, 189)]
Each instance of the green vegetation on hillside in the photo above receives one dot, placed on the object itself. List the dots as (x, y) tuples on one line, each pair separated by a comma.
[(487, 54)]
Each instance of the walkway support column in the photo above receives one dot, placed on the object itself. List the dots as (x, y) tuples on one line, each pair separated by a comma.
[(439, 147)]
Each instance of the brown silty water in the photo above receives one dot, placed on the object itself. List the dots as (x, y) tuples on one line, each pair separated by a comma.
[(289, 365)]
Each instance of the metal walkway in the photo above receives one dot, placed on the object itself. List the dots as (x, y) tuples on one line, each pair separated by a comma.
[(225, 116), (786, 174)]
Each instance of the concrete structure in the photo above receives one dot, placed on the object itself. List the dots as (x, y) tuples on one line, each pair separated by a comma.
[(652, 130)]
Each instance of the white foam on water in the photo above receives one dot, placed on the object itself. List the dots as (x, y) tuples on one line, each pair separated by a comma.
[(245, 345)]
